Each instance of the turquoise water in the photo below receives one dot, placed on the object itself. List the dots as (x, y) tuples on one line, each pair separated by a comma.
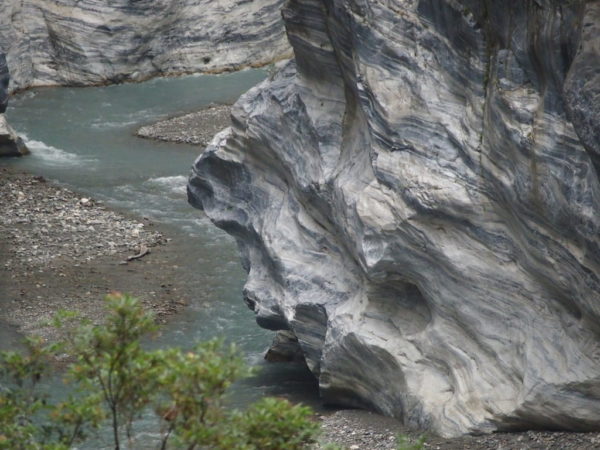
[(83, 138)]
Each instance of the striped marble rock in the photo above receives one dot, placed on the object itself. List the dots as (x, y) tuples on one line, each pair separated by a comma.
[(417, 199), (10, 143), (82, 42)]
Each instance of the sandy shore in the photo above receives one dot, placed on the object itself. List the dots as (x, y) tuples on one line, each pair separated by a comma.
[(62, 250)]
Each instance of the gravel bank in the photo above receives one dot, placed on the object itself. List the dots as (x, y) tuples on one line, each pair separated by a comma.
[(196, 128), (354, 429), (62, 250)]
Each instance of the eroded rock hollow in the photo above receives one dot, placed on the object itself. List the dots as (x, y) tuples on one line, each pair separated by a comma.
[(416, 197)]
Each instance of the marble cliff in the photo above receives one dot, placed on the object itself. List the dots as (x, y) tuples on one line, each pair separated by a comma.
[(416, 198), (82, 42), (10, 143)]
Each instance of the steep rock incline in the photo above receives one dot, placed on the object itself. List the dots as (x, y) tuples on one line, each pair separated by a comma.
[(417, 199), (82, 42), (10, 143)]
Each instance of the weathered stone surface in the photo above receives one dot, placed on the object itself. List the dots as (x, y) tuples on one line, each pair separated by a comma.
[(417, 199), (81, 42), (285, 348), (4, 82), (10, 143)]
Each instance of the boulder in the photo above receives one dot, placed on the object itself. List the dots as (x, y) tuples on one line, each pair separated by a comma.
[(10, 143), (416, 198)]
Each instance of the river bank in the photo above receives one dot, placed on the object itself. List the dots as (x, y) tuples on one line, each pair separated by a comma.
[(63, 250)]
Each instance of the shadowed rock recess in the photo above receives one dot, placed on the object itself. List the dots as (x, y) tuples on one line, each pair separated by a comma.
[(82, 42), (417, 199)]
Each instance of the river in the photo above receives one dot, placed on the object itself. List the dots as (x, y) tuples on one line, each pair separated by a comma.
[(84, 139)]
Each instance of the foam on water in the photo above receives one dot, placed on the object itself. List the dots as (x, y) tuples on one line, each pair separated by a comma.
[(174, 184), (138, 117), (52, 155)]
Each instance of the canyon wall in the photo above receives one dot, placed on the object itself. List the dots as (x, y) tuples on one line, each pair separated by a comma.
[(83, 42), (416, 198)]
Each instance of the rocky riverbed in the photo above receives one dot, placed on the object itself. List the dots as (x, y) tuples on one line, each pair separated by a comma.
[(356, 429), (196, 128), (63, 250)]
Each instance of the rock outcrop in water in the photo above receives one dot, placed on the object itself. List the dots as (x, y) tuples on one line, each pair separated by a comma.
[(417, 199), (10, 143), (82, 42)]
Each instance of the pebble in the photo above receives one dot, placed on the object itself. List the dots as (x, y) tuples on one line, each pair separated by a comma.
[(356, 429)]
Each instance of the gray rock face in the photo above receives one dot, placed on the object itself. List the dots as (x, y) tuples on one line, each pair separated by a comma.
[(82, 42), (4, 82), (10, 143), (417, 199)]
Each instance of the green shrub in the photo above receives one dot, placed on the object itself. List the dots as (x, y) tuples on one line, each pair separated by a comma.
[(117, 379), (27, 419), (405, 443), (276, 424)]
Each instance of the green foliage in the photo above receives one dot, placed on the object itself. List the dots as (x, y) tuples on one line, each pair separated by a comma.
[(276, 424), (405, 443), (111, 362), (332, 446), (117, 379), (193, 389), (27, 419)]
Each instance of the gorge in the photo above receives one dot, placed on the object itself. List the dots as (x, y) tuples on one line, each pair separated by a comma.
[(416, 198), (86, 42)]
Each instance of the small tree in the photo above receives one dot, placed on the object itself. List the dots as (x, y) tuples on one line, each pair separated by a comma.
[(27, 419), (111, 361), (193, 388), (186, 389)]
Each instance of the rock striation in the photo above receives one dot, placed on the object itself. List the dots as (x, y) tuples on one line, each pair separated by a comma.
[(83, 42), (416, 198), (10, 143)]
